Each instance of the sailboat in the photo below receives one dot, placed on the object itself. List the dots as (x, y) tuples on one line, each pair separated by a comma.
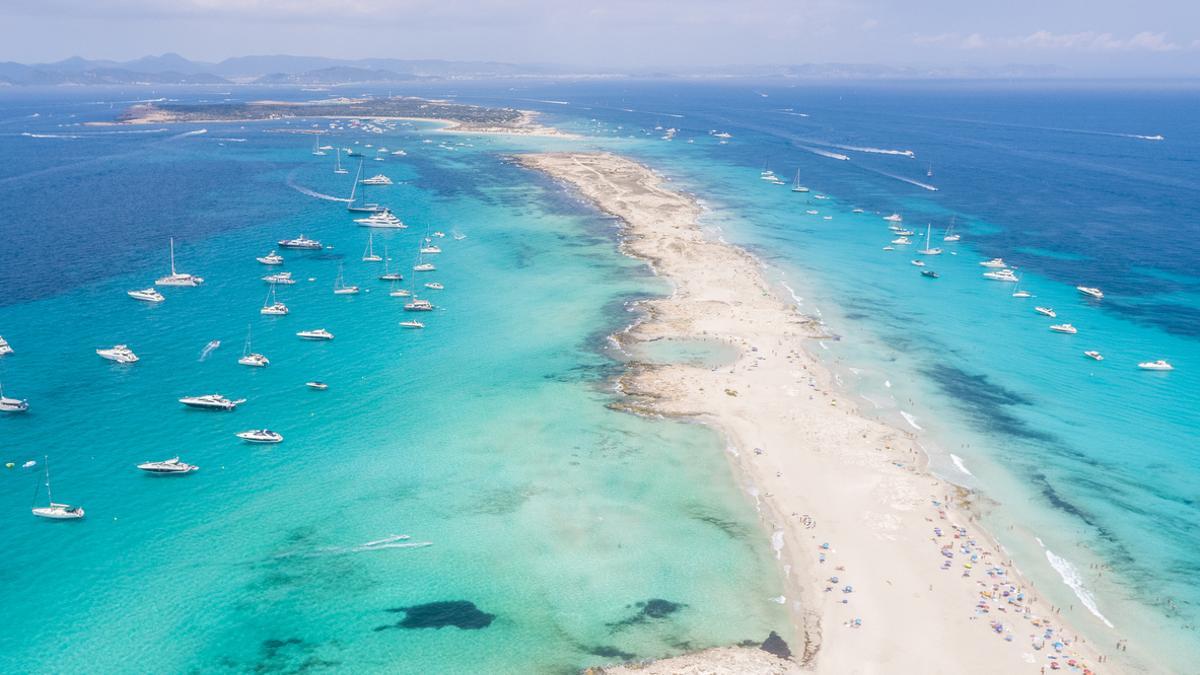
[(337, 163), (929, 171), (317, 147), (12, 404), (927, 250), (249, 356), (1018, 293), (796, 186), (369, 255), (177, 278), (388, 274), (340, 287), (54, 510), (272, 306), (365, 207), (950, 234)]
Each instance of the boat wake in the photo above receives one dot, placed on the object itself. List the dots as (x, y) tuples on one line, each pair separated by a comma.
[(870, 150), (194, 132), (29, 134), (923, 186), (393, 541), (1070, 577), (312, 193), (824, 153)]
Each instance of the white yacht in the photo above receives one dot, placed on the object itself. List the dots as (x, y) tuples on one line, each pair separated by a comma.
[(929, 250), (1019, 293), (894, 218), (12, 404), (54, 510), (272, 306), (284, 278), (177, 278), (400, 293), (211, 402), (377, 179), (918, 263), (5, 348), (1002, 275), (418, 305), (1094, 355), (118, 353), (904, 233), (1155, 365), (319, 386), (1090, 291), (271, 258), (856, 210), (340, 287), (168, 467), (433, 285), (411, 324), (901, 241), (260, 436), (1064, 328), (300, 242), (316, 334), (424, 267), (811, 212), (1046, 311), (370, 255), (820, 197), (250, 357), (383, 220), (430, 249), (995, 263), (146, 295), (796, 186)]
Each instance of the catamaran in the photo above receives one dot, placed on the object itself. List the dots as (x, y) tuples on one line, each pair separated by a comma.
[(168, 467), (249, 356), (12, 404), (177, 278), (5, 348), (146, 295), (272, 306), (118, 353), (369, 255), (211, 402), (928, 250), (54, 510), (340, 287), (364, 207)]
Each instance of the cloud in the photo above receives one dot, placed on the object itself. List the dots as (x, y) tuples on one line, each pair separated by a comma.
[(1046, 40)]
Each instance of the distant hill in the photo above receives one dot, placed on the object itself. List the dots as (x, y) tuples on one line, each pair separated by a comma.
[(335, 75)]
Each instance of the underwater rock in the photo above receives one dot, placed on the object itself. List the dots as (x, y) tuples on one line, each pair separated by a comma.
[(610, 652), (654, 608), (775, 645), (457, 613)]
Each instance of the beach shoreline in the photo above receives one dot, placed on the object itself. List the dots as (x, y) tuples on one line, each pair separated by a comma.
[(885, 566)]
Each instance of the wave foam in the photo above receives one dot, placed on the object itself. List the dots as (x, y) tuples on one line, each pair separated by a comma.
[(1070, 576), (912, 421), (958, 463)]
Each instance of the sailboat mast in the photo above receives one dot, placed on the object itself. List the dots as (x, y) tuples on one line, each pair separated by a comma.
[(172, 256), (46, 461)]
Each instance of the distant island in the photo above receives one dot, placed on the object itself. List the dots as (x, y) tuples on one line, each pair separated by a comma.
[(459, 116)]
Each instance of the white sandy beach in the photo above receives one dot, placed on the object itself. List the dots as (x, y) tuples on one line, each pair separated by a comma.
[(919, 587)]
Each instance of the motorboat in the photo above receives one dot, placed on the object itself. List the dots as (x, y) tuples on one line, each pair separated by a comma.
[(1064, 328), (271, 258), (431, 250), (424, 267), (316, 334), (1046, 311), (889, 248), (411, 324), (319, 386), (168, 467), (443, 234), (996, 263), (5, 348), (918, 263), (146, 295), (820, 197), (903, 232), (55, 510), (300, 242), (1090, 291), (211, 402), (418, 305), (1155, 365), (894, 218), (283, 278), (929, 273), (1002, 275), (400, 293), (857, 210), (118, 353), (377, 179), (901, 241), (260, 436), (433, 285), (812, 212), (1094, 355), (1018, 293), (178, 278)]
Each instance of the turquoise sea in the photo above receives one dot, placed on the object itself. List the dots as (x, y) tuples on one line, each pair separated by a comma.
[(487, 435)]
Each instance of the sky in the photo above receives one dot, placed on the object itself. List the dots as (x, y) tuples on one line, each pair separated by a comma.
[(1088, 37)]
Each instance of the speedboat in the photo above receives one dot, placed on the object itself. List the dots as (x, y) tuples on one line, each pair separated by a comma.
[(929, 273), (812, 212), (146, 295), (300, 242), (260, 436), (284, 278), (1046, 311), (1002, 275), (317, 334), (856, 210), (894, 218), (319, 386), (118, 353), (889, 248), (211, 402), (1155, 365), (994, 262), (430, 249), (424, 267), (1022, 294), (820, 197), (1064, 328), (918, 263), (1094, 355), (418, 305), (901, 241), (5, 348), (377, 179), (167, 467), (271, 258), (1090, 290), (391, 276), (177, 278), (433, 285), (400, 293), (411, 324), (254, 360)]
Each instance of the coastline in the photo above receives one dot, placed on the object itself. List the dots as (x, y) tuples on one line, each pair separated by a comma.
[(840, 496)]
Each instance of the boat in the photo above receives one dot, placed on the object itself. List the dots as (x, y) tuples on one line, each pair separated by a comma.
[(272, 306), (249, 356), (929, 171), (796, 186), (856, 210), (904, 233), (929, 273), (424, 267), (260, 436), (300, 242), (284, 278), (1091, 291), (377, 179), (12, 404), (950, 234), (5, 348), (928, 250), (388, 274), (418, 305), (337, 163), (340, 287), (820, 197), (319, 386), (1095, 355), (146, 295), (351, 204), (168, 467), (894, 218), (459, 236), (1155, 365), (271, 258), (315, 334), (317, 147), (400, 292), (901, 241), (369, 255), (443, 235), (177, 278), (1018, 293), (54, 510), (812, 212), (211, 402), (918, 263), (382, 219), (996, 263), (118, 353), (1064, 328), (433, 285), (1046, 311), (430, 249), (411, 324), (1002, 275), (889, 248)]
